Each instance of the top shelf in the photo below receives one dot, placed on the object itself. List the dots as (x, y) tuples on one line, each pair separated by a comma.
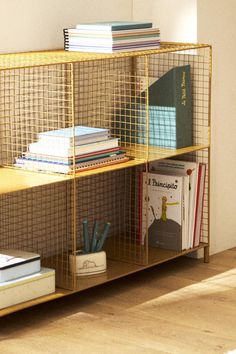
[(52, 57)]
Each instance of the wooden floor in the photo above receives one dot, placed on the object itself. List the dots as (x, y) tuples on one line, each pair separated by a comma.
[(184, 306)]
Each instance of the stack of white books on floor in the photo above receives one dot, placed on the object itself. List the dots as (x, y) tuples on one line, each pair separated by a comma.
[(109, 37), (73, 149), (174, 212), (22, 278)]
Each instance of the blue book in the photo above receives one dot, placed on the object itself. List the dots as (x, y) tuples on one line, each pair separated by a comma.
[(113, 25), (79, 134)]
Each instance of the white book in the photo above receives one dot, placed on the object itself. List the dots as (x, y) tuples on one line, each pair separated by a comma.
[(199, 209), (65, 151), (184, 168), (162, 198), (27, 288), (17, 263), (185, 213), (112, 50)]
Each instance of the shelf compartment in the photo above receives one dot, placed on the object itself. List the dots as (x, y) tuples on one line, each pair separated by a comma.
[(98, 93), (115, 270), (13, 179)]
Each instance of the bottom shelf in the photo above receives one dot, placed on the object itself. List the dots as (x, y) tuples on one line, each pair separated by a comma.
[(115, 270)]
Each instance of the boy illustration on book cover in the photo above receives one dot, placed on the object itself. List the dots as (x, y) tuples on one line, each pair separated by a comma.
[(164, 215)]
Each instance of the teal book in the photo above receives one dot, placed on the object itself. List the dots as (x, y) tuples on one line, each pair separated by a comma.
[(114, 25), (173, 89), (161, 126)]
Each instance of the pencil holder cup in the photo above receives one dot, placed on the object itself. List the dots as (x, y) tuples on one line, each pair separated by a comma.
[(83, 264)]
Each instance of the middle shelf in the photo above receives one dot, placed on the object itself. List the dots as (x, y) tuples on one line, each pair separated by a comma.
[(14, 179)]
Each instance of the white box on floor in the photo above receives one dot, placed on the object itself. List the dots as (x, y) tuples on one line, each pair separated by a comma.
[(17, 263), (27, 288)]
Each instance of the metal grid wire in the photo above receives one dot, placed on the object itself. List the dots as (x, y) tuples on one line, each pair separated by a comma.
[(32, 100), (37, 220)]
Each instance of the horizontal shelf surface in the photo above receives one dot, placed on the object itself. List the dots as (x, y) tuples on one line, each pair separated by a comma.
[(42, 58), (115, 270), (151, 153), (13, 179)]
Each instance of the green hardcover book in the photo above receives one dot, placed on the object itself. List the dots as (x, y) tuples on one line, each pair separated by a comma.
[(173, 89), (170, 113)]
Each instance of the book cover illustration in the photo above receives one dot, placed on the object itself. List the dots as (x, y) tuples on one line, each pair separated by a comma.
[(162, 210), (185, 168)]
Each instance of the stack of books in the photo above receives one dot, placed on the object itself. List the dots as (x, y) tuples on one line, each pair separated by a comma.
[(109, 37), (71, 150), (175, 206), (22, 278)]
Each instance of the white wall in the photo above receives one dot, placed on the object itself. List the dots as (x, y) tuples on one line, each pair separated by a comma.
[(38, 24), (216, 25), (177, 19)]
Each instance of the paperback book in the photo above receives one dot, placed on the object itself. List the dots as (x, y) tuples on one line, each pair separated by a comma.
[(184, 168), (199, 204), (59, 150), (46, 166), (162, 198), (109, 37), (78, 135)]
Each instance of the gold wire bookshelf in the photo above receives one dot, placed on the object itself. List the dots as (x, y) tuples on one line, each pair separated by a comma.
[(43, 211)]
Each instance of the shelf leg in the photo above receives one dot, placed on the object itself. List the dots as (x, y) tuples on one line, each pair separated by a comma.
[(206, 255)]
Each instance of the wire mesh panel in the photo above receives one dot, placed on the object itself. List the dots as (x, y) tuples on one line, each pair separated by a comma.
[(32, 100), (38, 220)]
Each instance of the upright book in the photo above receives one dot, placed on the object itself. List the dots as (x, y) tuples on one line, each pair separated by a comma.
[(173, 89), (185, 168), (199, 204), (162, 198), (17, 263)]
